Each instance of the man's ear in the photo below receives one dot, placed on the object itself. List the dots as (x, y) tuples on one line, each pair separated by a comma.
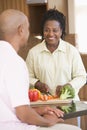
[(20, 29)]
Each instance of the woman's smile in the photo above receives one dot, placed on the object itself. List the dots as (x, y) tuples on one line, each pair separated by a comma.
[(52, 32)]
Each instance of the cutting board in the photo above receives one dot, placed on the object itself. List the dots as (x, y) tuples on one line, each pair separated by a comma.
[(50, 102)]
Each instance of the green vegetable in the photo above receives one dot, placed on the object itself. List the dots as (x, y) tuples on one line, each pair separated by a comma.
[(67, 92), (68, 108)]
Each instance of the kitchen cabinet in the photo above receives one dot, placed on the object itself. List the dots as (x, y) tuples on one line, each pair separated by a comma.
[(83, 97), (36, 12), (83, 93)]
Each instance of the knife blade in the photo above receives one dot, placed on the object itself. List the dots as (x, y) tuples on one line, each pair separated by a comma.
[(50, 94)]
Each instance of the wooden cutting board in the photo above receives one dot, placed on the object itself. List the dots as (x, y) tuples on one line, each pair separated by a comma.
[(51, 102)]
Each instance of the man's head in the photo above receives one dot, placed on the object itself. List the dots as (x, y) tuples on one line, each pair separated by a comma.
[(14, 28)]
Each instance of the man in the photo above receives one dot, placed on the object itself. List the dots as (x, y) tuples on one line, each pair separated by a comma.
[(15, 110)]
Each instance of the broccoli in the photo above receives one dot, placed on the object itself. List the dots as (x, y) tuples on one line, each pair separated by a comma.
[(68, 108), (67, 92)]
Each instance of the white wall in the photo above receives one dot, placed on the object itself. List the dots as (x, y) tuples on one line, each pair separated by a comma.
[(81, 24), (71, 16)]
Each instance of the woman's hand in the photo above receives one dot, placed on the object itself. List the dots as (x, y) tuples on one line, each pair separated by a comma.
[(59, 87), (58, 90), (42, 87)]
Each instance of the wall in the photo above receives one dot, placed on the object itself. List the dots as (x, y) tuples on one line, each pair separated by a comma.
[(62, 6), (20, 5), (71, 16), (15, 4)]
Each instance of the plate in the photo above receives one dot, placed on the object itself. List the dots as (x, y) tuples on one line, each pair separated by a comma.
[(51, 102)]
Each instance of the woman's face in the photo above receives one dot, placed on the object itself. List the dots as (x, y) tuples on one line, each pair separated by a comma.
[(52, 32)]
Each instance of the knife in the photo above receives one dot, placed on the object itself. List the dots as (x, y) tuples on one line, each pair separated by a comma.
[(50, 94)]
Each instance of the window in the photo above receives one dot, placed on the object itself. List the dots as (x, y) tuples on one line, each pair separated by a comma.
[(81, 24)]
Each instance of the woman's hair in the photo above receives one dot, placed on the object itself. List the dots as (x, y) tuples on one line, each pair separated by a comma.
[(53, 14)]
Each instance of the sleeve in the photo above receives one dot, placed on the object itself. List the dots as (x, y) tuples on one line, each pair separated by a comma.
[(17, 82), (78, 72)]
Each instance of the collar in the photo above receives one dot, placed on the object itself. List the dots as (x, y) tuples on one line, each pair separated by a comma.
[(61, 47)]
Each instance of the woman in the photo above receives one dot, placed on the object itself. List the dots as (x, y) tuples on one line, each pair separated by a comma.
[(54, 62)]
